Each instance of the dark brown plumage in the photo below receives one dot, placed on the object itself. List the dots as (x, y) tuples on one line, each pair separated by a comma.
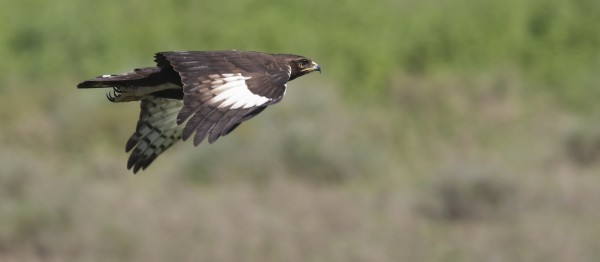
[(204, 94)]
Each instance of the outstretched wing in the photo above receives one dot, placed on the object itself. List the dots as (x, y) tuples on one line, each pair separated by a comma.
[(223, 88), (156, 131)]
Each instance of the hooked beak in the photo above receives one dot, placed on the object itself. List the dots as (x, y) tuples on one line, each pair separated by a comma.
[(315, 67)]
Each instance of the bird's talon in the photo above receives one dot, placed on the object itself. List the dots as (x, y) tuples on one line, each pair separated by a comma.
[(113, 95)]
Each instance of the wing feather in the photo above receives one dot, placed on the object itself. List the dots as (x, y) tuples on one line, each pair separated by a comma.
[(206, 126), (196, 121), (156, 131), (217, 129), (222, 87)]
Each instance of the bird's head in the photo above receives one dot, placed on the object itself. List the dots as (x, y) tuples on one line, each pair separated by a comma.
[(301, 66)]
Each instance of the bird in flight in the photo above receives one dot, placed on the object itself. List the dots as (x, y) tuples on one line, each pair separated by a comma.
[(204, 94)]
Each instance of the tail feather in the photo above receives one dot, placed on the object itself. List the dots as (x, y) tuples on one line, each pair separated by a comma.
[(140, 76), (135, 85)]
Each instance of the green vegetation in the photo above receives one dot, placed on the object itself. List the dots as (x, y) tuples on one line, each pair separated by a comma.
[(553, 42), (439, 130)]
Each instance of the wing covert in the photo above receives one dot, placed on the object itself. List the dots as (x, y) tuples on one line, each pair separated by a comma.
[(222, 87)]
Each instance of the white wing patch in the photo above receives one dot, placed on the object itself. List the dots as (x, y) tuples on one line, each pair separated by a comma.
[(230, 90)]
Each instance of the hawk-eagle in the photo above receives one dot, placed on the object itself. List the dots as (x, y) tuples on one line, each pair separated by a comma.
[(200, 94)]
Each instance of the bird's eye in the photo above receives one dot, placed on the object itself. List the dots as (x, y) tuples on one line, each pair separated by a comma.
[(304, 63)]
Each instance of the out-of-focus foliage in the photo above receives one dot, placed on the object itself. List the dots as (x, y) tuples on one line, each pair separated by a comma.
[(359, 43), (440, 130)]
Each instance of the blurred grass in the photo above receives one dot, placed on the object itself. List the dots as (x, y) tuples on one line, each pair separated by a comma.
[(439, 131), (554, 43)]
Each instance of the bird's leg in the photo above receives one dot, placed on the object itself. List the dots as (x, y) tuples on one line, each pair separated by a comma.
[(122, 94), (136, 93)]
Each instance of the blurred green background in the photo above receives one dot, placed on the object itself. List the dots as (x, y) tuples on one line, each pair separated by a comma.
[(440, 130)]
